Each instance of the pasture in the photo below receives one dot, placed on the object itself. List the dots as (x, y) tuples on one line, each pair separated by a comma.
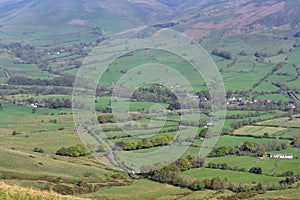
[(269, 166), (141, 189), (232, 176)]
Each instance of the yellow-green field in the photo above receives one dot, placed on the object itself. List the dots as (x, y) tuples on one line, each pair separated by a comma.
[(259, 130)]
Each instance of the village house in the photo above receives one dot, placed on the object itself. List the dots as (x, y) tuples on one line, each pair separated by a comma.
[(290, 107), (269, 100), (209, 123)]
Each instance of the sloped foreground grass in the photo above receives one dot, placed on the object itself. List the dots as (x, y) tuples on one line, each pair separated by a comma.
[(8, 192)]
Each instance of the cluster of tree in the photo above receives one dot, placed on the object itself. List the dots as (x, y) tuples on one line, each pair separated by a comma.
[(14, 133), (104, 109), (182, 164), (296, 142), (38, 150), (297, 35), (286, 174), (290, 180), (26, 52), (107, 118), (262, 54), (57, 103), (66, 81), (145, 143), (174, 177), (256, 170), (52, 103), (13, 90), (224, 166), (243, 53), (260, 106), (73, 151), (242, 116), (154, 93), (221, 53), (240, 124), (97, 31), (223, 151)]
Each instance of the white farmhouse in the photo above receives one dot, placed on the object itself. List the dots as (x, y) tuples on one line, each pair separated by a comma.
[(283, 156)]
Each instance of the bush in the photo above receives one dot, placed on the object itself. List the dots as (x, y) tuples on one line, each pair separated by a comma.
[(183, 164), (256, 170), (222, 53), (38, 150), (16, 133)]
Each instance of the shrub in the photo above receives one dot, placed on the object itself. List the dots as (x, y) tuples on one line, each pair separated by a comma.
[(256, 170), (38, 150)]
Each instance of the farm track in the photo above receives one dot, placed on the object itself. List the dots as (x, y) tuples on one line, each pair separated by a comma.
[(8, 76)]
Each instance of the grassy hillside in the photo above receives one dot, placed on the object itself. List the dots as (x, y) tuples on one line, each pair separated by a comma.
[(9, 192)]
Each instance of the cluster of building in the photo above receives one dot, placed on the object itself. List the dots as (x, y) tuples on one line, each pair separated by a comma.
[(242, 101), (282, 155)]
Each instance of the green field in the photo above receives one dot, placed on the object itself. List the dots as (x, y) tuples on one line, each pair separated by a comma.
[(232, 176), (269, 166), (36, 130), (259, 130), (141, 189)]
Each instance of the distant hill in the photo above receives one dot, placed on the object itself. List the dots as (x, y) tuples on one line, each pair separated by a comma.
[(36, 19)]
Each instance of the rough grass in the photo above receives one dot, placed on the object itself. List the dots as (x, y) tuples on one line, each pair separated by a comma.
[(8, 192), (291, 194), (24, 166)]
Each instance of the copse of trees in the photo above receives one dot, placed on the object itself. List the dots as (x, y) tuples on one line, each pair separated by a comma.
[(66, 81), (171, 175), (73, 151), (296, 142), (108, 118), (256, 170), (221, 53), (145, 143)]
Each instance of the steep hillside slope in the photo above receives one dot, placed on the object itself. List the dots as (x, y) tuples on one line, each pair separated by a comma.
[(240, 17), (35, 19)]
